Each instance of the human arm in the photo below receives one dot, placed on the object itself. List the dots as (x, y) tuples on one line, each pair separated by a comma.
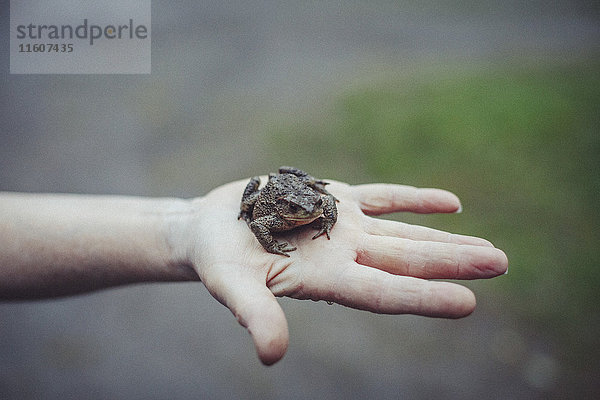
[(66, 244), (63, 244)]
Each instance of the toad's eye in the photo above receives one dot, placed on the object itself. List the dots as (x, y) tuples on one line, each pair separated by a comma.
[(319, 202), (294, 207)]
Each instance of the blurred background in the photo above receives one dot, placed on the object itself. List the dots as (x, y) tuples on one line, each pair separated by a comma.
[(496, 101)]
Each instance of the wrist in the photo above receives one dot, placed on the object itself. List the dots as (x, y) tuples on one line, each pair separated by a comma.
[(177, 217)]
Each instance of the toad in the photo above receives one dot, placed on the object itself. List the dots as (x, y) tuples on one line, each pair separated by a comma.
[(289, 199)]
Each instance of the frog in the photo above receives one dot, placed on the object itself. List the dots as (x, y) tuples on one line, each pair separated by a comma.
[(290, 198)]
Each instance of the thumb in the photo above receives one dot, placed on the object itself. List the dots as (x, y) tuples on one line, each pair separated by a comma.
[(256, 309)]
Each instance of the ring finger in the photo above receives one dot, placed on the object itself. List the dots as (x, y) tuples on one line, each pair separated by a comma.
[(429, 259)]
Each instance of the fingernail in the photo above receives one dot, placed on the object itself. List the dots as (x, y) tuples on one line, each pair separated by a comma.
[(459, 209)]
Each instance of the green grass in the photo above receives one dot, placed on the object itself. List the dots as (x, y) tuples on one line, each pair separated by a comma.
[(520, 146)]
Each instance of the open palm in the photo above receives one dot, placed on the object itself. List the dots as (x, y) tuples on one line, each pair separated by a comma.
[(370, 264)]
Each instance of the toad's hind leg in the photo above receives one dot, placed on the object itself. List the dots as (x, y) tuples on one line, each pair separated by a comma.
[(249, 199), (311, 181), (294, 171), (319, 186)]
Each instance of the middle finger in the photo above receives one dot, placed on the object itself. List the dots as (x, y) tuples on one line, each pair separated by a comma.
[(384, 227), (431, 260)]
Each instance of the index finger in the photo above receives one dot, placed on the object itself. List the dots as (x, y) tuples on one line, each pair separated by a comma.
[(381, 198)]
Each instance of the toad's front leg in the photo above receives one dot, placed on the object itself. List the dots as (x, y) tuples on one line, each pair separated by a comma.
[(261, 227), (329, 217)]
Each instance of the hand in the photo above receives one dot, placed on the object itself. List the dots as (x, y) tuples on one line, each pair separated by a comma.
[(369, 264)]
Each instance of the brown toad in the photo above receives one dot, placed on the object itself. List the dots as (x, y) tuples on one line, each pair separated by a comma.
[(289, 199)]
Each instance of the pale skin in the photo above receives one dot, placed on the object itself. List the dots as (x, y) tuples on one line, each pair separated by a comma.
[(57, 245)]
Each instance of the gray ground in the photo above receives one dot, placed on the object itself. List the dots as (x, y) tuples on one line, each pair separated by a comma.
[(221, 73)]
